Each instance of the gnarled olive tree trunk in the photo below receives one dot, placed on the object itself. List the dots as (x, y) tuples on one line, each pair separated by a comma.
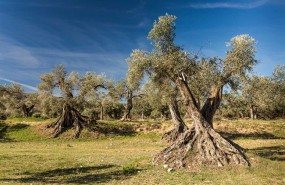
[(129, 107), (179, 125), (201, 144), (212, 103), (69, 118)]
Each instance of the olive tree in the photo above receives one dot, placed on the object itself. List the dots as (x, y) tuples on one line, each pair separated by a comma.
[(256, 92), (278, 78), (264, 95), (126, 91), (167, 62), (74, 91), (16, 101)]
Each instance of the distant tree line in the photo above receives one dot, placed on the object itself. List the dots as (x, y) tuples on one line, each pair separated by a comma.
[(255, 97)]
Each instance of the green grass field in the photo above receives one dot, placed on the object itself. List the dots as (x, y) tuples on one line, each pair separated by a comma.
[(123, 156)]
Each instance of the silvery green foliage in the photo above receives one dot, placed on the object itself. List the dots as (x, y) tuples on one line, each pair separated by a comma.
[(279, 74), (241, 56), (168, 62), (264, 94), (90, 83), (13, 98)]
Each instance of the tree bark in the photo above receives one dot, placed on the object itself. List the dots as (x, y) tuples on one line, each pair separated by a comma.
[(102, 112), (69, 118), (27, 110), (129, 106), (179, 125), (212, 103), (201, 144), (241, 115), (252, 111), (142, 116)]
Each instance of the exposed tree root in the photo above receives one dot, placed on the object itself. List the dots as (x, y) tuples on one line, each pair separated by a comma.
[(203, 146), (69, 118)]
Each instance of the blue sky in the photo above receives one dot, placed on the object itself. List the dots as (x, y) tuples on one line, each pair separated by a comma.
[(98, 35)]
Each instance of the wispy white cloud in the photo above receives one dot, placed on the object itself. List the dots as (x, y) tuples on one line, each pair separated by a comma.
[(22, 84), (14, 53), (227, 4), (41, 4), (29, 49)]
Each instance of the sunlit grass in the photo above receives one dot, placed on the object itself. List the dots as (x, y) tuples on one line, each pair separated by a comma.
[(29, 157), (29, 119)]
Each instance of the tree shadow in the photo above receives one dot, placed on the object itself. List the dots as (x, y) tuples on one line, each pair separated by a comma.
[(5, 128), (3, 131), (80, 175), (263, 135), (274, 153), (98, 129), (17, 127), (113, 129)]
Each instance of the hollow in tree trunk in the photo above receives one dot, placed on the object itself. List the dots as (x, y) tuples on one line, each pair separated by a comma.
[(179, 125), (212, 103), (27, 110), (201, 144), (69, 118)]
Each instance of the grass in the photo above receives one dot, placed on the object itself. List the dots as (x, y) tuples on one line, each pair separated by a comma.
[(30, 119), (28, 157), (253, 129)]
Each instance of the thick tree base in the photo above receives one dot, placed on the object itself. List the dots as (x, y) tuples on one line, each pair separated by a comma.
[(203, 147), (69, 118)]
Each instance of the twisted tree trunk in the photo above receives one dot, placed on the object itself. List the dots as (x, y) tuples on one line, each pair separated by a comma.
[(212, 103), (69, 118), (200, 145), (129, 106), (179, 125)]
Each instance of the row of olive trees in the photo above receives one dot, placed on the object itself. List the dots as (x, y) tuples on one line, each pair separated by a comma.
[(254, 97), (75, 100), (259, 97), (14, 102), (92, 95)]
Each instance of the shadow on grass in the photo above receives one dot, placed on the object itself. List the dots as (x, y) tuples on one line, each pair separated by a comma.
[(274, 153), (5, 129), (113, 129), (250, 135), (81, 175), (93, 130), (17, 127)]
